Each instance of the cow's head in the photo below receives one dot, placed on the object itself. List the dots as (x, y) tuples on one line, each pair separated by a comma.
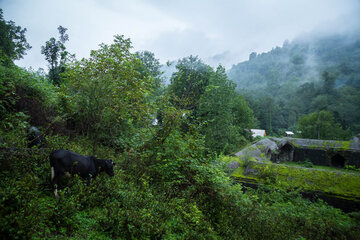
[(109, 167)]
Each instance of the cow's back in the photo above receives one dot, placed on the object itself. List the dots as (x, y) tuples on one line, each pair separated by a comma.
[(57, 156), (67, 161)]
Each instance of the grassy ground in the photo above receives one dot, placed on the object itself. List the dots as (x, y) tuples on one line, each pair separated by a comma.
[(345, 183), (327, 168)]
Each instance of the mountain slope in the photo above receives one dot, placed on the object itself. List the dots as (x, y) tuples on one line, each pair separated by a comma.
[(307, 75), (300, 61)]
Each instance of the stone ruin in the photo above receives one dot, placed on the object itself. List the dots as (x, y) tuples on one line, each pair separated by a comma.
[(319, 152)]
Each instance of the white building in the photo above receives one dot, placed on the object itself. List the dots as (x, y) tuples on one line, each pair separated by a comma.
[(289, 133), (258, 132)]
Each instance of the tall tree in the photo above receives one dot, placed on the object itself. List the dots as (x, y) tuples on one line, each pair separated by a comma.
[(224, 114), (108, 96), (321, 125), (150, 66), (329, 82), (189, 82), (56, 55), (243, 115), (13, 43), (349, 107)]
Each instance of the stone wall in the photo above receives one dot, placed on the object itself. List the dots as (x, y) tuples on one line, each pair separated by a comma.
[(319, 152), (323, 157)]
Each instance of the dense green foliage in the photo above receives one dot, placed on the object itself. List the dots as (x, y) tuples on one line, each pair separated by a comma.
[(211, 103), (183, 197), (25, 98), (56, 55), (304, 76), (13, 43), (321, 125), (168, 183), (105, 97), (150, 66), (225, 114), (189, 82)]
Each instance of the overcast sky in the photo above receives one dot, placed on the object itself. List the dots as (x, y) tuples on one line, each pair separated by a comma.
[(218, 31)]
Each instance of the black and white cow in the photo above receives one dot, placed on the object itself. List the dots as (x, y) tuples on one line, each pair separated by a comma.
[(35, 137), (64, 162)]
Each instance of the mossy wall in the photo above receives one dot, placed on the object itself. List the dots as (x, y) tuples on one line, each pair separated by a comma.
[(316, 156), (352, 158), (324, 157), (345, 185)]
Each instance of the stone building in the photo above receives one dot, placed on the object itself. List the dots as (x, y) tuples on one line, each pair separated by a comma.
[(319, 152)]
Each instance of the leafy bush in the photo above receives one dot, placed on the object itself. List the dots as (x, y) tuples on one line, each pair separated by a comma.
[(181, 194), (352, 167), (307, 163)]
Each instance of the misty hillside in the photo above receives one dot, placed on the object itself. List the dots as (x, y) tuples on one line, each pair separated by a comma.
[(305, 76), (300, 61)]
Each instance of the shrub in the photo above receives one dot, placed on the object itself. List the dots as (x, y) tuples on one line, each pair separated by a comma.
[(307, 163)]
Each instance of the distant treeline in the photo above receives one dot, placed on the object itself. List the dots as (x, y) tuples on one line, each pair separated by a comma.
[(304, 76)]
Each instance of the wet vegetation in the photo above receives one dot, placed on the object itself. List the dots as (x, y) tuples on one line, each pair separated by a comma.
[(168, 142)]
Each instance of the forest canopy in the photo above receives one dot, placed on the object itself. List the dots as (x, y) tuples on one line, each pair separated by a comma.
[(303, 76)]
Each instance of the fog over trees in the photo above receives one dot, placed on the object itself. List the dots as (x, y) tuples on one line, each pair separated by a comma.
[(303, 76)]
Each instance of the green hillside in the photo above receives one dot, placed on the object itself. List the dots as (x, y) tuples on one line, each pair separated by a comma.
[(306, 75)]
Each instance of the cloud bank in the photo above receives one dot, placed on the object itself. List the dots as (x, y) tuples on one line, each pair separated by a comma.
[(219, 32)]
